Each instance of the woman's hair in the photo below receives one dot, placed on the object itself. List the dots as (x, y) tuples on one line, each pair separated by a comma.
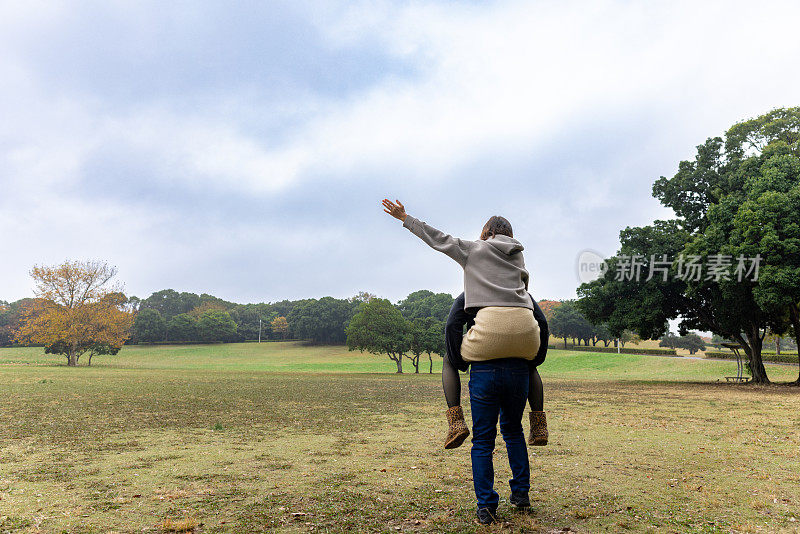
[(497, 226)]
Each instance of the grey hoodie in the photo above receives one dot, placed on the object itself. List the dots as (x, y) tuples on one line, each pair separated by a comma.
[(494, 269)]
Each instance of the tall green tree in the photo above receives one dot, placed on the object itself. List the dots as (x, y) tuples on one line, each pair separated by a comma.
[(434, 340), (321, 321), (379, 328), (247, 317), (569, 322), (424, 303), (426, 336), (733, 202), (149, 326), (11, 313), (182, 327), (7, 317), (170, 303), (216, 325)]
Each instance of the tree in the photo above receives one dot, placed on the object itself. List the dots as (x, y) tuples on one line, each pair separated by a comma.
[(6, 318), (361, 297), (207, 306), (149, 326), (767, 224), (182, 327), (77, 309), (379, 328), (691, 342), (434, 341), (248, 317), (548, 307), (602, 333), (737, 199), (567, 321), (92, 349), (284, 307), (321, 321), (134, 303), (280, 326), (668, 340), (774, 339), (170, 303), (216, 325), (426, 336), (10, 317), (424, 303)]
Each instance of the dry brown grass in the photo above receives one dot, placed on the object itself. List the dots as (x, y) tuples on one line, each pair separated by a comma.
[(185, 524), (120, 450)]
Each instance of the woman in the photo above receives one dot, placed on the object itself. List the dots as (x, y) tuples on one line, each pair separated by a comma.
[(505, 321)]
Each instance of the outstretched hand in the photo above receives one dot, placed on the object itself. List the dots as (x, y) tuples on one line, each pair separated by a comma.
[(398, 211)]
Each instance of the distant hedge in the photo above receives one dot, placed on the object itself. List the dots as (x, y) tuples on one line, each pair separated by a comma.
[(766, 356), (627, 350)]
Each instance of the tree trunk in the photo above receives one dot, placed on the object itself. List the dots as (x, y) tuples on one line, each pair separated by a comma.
[(430, 371), (778, 346), (565, 342), (415, 361), (72, 359), (89, 361), (794, 316), (399, 362), (752, 347)]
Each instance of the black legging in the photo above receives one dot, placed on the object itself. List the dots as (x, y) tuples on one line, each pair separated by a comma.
[(453, 362)]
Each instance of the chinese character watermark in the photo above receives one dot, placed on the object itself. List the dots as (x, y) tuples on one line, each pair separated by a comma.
[(690, 268)]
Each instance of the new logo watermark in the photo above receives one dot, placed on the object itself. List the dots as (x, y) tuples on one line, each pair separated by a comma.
[(590, 266)]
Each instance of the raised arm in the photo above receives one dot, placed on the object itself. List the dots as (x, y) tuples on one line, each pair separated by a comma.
[(456, 248)]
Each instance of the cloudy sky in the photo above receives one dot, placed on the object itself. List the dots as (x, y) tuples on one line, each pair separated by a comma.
[(242, 148)]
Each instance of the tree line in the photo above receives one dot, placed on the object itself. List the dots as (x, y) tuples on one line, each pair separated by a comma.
[(79, 310)]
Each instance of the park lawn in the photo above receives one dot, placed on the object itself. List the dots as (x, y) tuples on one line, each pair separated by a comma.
[(255, 438)]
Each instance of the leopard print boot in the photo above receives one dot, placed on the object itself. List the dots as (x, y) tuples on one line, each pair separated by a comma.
[(458, 431), (538, 435)]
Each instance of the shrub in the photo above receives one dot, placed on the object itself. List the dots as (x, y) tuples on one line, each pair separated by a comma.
[(766, 356)]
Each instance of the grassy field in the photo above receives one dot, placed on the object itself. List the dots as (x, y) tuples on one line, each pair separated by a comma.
[(256, 438)]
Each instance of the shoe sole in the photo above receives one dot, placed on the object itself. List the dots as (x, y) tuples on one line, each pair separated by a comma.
[(456, 441)]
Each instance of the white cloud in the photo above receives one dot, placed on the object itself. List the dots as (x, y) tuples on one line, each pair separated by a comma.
[(485, 82)]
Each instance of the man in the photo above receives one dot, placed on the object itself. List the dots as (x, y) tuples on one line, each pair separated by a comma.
[(498, 390)]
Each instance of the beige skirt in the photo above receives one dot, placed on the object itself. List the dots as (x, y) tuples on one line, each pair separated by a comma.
[(501, 332)]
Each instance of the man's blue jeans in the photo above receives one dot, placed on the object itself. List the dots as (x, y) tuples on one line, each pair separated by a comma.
[(498, 388)]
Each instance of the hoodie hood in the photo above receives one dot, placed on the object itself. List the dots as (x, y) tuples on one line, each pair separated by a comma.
[(506, 245)]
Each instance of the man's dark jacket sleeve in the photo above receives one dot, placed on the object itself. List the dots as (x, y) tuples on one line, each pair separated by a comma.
[(544, 334)]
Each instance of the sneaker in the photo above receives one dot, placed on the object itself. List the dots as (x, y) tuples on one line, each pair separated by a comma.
[(520, 500), (487, 516)]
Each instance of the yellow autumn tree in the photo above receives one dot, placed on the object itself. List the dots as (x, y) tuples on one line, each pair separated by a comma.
[(280, 325), (78, 310)]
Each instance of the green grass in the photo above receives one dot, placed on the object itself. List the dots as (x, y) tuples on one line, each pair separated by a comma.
[(257, 438)]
